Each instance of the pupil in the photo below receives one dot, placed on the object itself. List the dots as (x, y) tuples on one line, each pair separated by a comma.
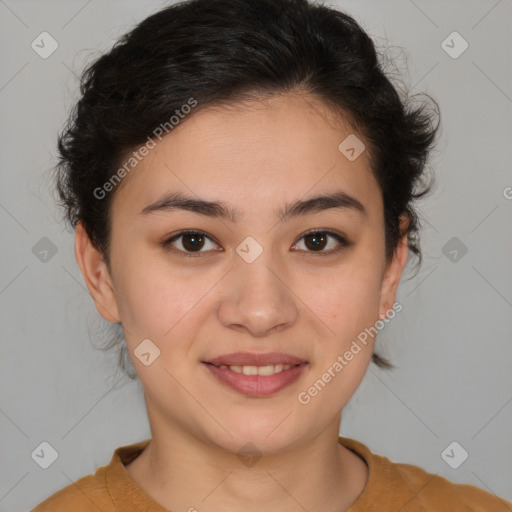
[(195, 240), (318, 241)]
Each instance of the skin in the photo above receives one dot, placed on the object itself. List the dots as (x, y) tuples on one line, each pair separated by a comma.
[(256, 157)]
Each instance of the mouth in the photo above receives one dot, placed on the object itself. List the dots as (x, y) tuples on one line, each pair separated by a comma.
[(268, 369), (250, 359), (256, 375)]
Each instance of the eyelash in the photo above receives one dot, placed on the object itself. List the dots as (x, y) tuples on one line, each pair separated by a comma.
[(344, 243)]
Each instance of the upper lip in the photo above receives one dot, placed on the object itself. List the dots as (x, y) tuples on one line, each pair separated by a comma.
[(248, 359)]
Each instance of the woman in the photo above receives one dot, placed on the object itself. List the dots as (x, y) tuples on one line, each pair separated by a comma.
[(241, 176)]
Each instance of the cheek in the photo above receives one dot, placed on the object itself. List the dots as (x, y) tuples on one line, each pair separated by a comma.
[(161, 303), (349, 306), (348, 299)]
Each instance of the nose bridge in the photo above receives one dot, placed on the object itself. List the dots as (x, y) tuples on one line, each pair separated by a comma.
[(258, 298), (258, 279)]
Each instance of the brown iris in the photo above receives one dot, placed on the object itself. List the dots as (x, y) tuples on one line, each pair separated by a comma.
[(318, 241), (192, 241)]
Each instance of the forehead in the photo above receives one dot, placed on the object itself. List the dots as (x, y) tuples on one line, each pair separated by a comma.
[(255, 153)]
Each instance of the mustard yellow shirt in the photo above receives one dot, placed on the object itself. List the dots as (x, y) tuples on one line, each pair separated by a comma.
[(391, 487)]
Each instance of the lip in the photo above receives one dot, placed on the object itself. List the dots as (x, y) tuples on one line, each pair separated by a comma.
[(256, 385), (251, 359)]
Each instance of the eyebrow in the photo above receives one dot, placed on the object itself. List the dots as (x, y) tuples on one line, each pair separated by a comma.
[(219, 209)]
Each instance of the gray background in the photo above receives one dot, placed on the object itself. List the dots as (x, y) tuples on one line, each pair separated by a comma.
[(451, 342)]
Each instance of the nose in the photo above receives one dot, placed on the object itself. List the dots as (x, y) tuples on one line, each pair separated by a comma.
[(257, 298)]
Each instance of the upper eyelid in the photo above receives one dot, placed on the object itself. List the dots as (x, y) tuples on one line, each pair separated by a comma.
[(188, 231)]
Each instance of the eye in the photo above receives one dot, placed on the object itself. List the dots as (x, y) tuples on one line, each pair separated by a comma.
[(191, 242), (317, 241)]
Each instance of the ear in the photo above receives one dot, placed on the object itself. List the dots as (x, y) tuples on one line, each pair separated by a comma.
[(393, 272), (96, 275)]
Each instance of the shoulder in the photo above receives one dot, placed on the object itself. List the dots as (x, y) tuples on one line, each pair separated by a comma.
[(109, 489), (410, 488), (432, 492), (84, 495)]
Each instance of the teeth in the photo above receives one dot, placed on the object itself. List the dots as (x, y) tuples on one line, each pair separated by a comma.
[(269, 369), (250, 370)]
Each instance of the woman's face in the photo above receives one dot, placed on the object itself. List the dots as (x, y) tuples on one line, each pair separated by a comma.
[(254, 283)]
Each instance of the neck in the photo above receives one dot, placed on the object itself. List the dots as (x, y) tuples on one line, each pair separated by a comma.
[(181, 472)]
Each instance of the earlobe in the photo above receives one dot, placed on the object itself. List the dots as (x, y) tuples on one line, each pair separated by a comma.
[(96, 276), (392, 275)]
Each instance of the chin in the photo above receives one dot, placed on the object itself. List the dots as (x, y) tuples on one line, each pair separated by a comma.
[(266, 435)]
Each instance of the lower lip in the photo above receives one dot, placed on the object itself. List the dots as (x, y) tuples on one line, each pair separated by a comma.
[(257, 385)]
